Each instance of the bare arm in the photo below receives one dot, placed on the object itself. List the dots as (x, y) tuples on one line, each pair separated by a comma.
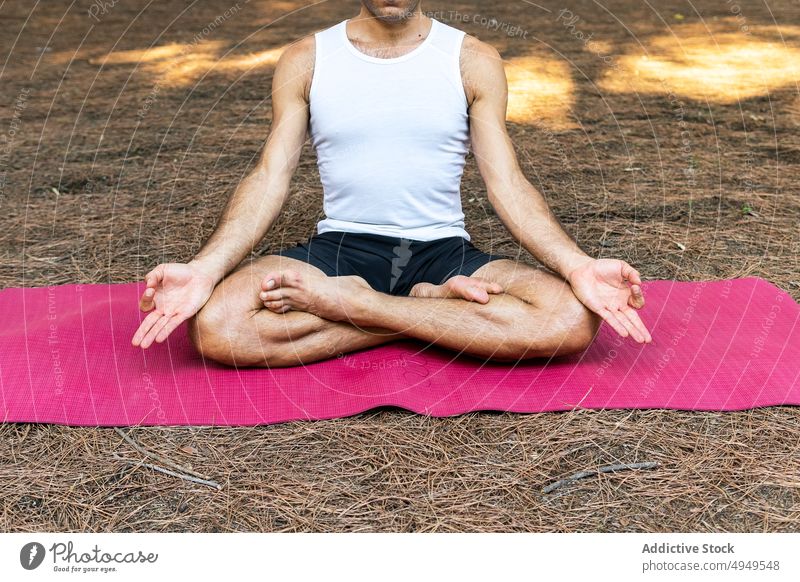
[(255, 204), (175, 292), (609, 287), (520, 206)]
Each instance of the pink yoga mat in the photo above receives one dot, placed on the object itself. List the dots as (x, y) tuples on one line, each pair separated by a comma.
[(66, 357)]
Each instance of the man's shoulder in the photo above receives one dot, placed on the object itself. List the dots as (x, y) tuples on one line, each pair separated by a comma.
[(478, 52), (481, 68), (295, 67), (300, 52)]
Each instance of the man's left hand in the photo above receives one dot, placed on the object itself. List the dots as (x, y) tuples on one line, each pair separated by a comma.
[(612, 289)]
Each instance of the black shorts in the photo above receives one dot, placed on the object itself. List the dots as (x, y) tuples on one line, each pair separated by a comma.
[(390, 265)]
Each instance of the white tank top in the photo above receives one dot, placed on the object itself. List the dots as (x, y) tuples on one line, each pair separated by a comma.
[(391, 136)]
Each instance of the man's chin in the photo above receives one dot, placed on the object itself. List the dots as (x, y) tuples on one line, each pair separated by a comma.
[(393, 14), (389, 13)]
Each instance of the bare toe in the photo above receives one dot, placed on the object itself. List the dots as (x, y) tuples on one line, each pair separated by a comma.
[(431, 291), (271, 281), (275, 284), (276, 295), (472, 288), (476, 294)]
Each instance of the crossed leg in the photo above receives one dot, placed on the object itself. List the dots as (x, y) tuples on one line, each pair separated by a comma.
[(306, 316)]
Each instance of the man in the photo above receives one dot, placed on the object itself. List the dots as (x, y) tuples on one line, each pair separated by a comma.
[(392, 100)]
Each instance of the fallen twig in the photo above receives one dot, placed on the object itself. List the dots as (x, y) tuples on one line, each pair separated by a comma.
[(161, 458), (183, 476), (605, 469)]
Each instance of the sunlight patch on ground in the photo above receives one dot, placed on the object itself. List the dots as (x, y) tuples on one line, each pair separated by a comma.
[(154, 54), (260, 59), (540, 91), (180, 65), (722, 66)]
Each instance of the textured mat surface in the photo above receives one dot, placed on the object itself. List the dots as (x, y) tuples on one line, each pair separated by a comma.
[(66, 357)]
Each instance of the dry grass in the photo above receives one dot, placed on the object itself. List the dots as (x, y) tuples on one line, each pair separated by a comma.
[(93, 193), (395, 471)]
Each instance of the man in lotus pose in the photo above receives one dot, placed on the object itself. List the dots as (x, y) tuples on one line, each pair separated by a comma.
[(392, 101)]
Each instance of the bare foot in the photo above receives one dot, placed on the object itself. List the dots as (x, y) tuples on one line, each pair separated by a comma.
[(458, 287), (327, 297)]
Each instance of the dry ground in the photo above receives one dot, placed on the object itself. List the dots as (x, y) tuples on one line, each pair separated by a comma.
[(662, 133)]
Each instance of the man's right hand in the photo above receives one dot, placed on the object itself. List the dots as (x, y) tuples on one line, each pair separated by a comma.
[(176, 291)]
